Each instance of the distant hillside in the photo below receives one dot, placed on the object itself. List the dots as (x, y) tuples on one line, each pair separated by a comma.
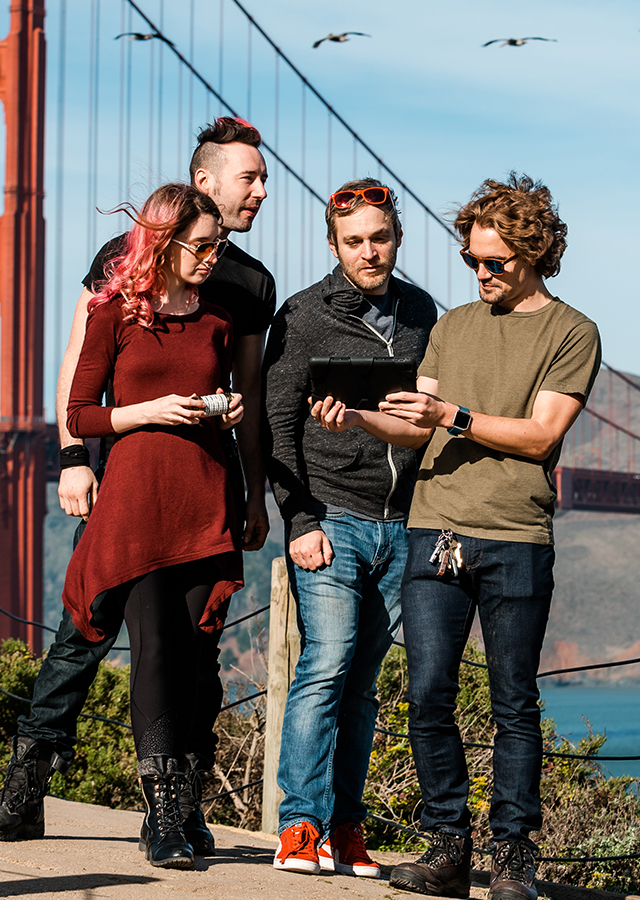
[(592, 443), (595, 615)]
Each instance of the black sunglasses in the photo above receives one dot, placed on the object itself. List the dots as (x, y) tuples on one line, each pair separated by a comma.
[(495, 266)]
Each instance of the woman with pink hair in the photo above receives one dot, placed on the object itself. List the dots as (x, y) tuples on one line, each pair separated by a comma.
[(161, 541)]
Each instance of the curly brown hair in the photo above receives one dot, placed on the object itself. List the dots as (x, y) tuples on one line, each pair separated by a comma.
[(523, 213)]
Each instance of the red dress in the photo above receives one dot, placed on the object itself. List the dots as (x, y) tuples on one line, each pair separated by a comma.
[(165, 497)]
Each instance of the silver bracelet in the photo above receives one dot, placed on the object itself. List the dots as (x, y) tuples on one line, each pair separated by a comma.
[(216, 404)]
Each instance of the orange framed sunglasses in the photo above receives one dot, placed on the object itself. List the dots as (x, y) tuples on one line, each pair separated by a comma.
[(376, 196)]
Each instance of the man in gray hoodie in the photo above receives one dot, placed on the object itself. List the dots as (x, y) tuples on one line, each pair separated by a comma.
[(344, 499)]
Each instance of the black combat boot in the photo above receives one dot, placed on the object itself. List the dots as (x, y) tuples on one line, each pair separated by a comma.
[(162, 837), (29, 774), (193, 821)]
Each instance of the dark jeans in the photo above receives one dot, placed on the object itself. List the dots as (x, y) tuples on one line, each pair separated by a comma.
[(62, 685), (511, 585)]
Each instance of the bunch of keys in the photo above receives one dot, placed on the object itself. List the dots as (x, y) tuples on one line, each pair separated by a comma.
[(447, 554)]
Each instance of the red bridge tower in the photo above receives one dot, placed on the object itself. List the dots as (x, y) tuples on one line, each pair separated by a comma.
[(22, 427)]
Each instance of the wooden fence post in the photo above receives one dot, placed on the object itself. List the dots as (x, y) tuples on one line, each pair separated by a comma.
[(284, 649)]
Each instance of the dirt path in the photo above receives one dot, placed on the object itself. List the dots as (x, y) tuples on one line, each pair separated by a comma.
[(91, 852)]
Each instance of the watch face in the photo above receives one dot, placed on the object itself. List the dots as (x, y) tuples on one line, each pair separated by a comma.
[(461, 421)]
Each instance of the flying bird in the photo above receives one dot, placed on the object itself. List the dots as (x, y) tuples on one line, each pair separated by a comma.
[(340, 38), (517, 42), (138, 36)]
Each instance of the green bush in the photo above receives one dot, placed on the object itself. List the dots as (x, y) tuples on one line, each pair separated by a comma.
[(104, 770)]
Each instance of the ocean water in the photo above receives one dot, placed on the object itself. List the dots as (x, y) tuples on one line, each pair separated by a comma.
[(614, 711)]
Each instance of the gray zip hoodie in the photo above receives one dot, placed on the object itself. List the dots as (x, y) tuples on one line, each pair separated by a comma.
[(306, 464)]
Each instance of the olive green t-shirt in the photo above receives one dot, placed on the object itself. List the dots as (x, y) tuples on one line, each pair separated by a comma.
[(495, 361)]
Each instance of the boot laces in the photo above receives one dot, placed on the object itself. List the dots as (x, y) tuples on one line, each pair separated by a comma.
[(516, 862), (444, 851), (190, 792), (168, 809), (21, 784)]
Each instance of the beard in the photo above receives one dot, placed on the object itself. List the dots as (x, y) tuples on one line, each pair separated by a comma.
[(495, 296), (369, 281), (233, 220)]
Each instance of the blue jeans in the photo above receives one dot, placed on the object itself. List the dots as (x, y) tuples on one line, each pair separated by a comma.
[(348, 614), (511, 585)]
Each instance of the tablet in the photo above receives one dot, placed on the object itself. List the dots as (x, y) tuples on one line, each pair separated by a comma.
[(361, 383)]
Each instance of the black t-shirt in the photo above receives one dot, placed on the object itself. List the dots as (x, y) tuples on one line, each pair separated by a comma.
[(238, 283)]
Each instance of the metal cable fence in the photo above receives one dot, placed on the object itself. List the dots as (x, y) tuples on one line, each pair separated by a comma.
[(402, 736), (262, 609)]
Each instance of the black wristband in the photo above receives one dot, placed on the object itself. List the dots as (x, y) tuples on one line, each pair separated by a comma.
[(74, 455)]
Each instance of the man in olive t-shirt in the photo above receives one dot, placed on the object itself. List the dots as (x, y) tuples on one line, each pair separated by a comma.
[(514, 370)]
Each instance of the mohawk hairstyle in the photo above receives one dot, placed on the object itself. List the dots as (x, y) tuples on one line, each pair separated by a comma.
[(224, 130)]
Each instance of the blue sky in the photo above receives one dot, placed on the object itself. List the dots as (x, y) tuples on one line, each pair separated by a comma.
[(443, 111), (450, 113)]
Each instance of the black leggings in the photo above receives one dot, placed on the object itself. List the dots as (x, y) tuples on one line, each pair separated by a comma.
[(175, 689)]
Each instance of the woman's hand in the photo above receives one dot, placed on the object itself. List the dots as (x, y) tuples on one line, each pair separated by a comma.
[(334, 415), (171, 410), (174, 410), (235, 414)]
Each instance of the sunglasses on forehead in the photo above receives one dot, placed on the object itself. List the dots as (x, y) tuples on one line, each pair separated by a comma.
[(494, 266), (376, 196), (205, 250)]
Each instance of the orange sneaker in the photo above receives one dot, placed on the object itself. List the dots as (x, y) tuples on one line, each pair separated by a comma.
[(298, 850), (344, 852)]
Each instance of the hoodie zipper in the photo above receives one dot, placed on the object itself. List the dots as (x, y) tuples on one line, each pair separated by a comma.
[(389, 345)]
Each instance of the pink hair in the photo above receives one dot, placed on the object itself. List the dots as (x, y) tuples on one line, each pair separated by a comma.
[(137, 275)]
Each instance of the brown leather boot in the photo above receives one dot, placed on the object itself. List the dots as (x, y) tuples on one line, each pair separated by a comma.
[(513, 872), (443, 871)]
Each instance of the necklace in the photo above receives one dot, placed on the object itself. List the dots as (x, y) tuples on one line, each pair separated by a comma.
[(190, 305)]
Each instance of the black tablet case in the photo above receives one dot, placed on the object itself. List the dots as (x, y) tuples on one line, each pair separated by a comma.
[(361, 383)]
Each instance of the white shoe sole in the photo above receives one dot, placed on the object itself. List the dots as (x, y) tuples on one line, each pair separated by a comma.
[(359, 871), (326, 863), (301, 866)]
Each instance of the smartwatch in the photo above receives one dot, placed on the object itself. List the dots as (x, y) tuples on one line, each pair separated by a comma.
[(461, 421)]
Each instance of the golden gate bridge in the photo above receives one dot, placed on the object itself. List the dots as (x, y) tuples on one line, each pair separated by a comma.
[(121, 116)]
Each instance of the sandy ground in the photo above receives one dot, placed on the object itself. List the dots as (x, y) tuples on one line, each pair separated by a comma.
[(91, 852)]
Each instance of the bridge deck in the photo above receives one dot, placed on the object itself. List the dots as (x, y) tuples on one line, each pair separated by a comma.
[(91, 852)]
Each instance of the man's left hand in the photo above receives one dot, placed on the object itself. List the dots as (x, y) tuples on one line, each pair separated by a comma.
[(334, 415), (256, 526)]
